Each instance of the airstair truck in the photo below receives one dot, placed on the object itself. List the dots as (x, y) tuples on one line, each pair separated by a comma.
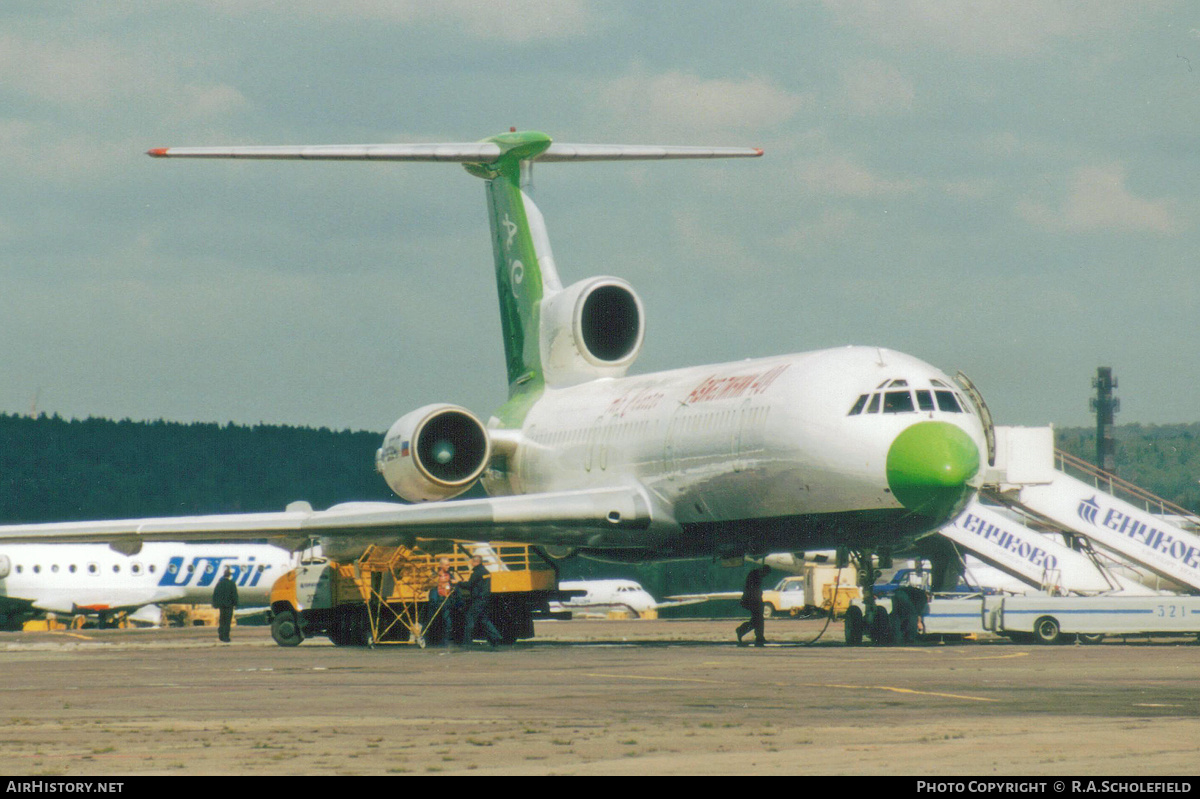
[(1050, 619), (1045, 619), (382, 597)]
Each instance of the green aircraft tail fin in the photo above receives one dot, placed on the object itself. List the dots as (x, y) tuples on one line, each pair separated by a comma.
[(525, 271)]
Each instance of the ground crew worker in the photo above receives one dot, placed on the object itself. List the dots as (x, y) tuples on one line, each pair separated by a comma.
[(752, 601), (225, 599), (443, 604), (909, 604), (478, 589)]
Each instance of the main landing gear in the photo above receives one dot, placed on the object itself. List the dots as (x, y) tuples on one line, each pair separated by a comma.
[(870, 620)]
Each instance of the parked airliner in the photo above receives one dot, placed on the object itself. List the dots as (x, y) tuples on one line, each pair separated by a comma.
[(95, 579), (601, 597), (860, 447)]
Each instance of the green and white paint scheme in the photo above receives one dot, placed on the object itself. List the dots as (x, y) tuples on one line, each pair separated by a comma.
[(856, 447)]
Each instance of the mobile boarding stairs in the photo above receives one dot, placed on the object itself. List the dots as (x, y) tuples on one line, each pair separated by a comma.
[(1064, 527)]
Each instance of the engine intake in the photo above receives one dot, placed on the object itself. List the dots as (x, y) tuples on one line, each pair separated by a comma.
[(610, 323), (435, 452), (593, 328)]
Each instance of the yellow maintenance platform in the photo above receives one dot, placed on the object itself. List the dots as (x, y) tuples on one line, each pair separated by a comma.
[(384, 596)]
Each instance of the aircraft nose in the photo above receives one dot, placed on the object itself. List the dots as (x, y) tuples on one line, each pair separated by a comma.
[(928, 466)]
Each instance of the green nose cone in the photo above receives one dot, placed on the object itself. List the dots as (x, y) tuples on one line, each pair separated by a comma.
[(928, 467)]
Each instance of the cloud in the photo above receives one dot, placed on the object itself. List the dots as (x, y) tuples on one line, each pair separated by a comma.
[(830, 225), (1097, 201), (83, 73), (985, 27), (514, 21), (676, 102), (97, 75), (876, 88), (841, 177)]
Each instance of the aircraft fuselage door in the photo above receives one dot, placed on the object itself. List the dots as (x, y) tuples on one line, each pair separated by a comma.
[(985, 416)]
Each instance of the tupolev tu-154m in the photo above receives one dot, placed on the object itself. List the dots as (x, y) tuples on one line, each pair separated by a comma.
[(858, 448)]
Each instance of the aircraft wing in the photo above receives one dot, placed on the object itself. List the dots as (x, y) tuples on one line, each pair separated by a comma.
[(570, 518), (691, 599), (680, 601)]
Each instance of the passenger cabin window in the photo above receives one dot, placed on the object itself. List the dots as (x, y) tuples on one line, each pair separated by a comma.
[(925, 400)]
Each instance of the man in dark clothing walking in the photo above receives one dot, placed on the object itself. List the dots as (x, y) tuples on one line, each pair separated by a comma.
[(225, 599), (910, 604), (479, 591), (752, 601)]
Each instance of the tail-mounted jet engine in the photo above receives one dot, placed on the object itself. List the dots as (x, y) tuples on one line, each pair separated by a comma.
[(435, 452), (593, 328)]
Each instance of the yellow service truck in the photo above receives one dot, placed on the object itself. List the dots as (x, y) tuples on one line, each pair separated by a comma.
[(384, 596)]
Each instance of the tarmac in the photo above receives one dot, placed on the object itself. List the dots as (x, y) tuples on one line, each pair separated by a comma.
[(594, 697)]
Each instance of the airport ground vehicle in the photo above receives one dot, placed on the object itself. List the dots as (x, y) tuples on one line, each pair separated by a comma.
[(1053, 619), (382, 597), (786, 597), (819, 590), (918, 578), (1050, 619)]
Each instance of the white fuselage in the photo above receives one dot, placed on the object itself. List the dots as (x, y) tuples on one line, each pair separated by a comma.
[(767, 446), (71, 578)]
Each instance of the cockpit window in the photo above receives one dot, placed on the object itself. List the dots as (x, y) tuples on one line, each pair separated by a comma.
[(941, 398), (947, 402), (898, 402)]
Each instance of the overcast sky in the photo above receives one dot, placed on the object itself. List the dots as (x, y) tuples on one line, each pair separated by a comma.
[(1003, 187)]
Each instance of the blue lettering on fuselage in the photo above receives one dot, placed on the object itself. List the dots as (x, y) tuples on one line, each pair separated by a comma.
[(209, 568)]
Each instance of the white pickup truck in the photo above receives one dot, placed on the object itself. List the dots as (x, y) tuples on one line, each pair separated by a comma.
[(786, 597)]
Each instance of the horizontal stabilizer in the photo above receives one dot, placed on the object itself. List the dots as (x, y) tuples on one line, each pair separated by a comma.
[(478, 152)]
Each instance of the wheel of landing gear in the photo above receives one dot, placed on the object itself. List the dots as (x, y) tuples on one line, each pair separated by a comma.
[(881, 628), (853, 625)]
